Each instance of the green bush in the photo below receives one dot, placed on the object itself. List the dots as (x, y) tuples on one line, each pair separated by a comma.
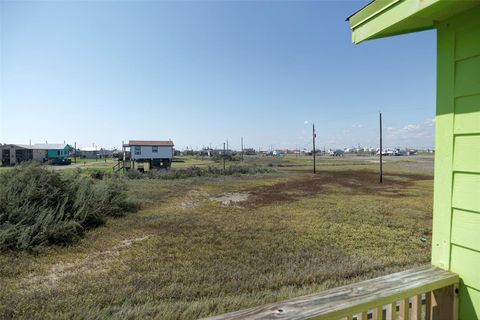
[(40, 207), (194, 171), (227, 157)]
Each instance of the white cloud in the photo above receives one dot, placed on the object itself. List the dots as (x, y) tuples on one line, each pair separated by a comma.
[(357, 125), (305, 122), (412, 132), (429, 122)]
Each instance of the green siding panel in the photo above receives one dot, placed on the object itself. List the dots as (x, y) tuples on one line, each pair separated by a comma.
[(466, 229), (442, 206), (467, 114), (466, 191), (466, 156), (466, 263), (467, 77), (469, 300), (467, 43), (458, 157)]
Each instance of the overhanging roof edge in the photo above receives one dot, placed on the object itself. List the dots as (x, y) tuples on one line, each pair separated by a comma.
[(383, 18)]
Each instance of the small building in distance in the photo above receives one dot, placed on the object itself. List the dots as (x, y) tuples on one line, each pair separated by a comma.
[(12, 154), (144, 155), (96, 153), (249, 151), (89, 153)]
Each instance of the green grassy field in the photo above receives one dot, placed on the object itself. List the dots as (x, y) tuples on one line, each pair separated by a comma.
[(209, 245)]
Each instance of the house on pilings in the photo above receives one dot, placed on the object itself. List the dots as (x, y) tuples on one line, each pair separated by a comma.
[(144, 155)]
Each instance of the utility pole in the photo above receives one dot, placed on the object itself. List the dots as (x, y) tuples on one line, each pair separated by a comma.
[(242, 148), (123, 156), (224, 172), (381, 151), (314, 135)]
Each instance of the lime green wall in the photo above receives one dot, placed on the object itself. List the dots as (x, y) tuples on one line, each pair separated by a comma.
[(456, 218)]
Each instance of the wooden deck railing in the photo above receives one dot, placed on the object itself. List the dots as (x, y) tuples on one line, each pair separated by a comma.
[(121, 164), (422, 293)]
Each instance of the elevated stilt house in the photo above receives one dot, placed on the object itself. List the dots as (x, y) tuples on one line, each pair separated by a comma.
[(450, 288), (144, 155)]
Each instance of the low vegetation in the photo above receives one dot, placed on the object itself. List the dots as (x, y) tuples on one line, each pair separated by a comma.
[(40, 207), (194, 171), (214, 244)]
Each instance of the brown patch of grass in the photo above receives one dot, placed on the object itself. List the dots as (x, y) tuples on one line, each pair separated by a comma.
[(351, 182)]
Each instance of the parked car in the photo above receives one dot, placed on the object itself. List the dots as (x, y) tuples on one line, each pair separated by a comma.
[(336, 153)]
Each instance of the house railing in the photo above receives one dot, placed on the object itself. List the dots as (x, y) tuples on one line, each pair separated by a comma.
[(121, 164), (422, 293)]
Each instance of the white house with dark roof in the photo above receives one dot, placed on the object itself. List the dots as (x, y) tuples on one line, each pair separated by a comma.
[(148, 154)]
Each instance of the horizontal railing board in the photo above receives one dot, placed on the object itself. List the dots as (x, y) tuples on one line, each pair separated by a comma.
[(351, 299)]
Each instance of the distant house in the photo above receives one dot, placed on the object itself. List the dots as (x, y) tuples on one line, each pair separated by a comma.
[(95, 153), (218, 152), (12, 154), (89, 153), (148, 154)]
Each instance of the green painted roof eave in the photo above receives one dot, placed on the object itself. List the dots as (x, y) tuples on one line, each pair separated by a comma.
[(384, 18)]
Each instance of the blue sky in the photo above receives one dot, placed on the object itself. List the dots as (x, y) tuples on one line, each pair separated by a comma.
[(201, 73)]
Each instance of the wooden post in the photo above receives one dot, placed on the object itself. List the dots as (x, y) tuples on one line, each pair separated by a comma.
[(224, 172), (123, 157), (377, 313), (404, 313), (417, 307), (444, 304), (242, 148), (313, 137), (393, 311), (428, 305), (381, 151)]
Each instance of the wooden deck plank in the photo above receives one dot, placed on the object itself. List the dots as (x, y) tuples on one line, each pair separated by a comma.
[(351, 299)]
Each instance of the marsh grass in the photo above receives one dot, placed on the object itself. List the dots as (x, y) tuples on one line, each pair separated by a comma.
[(40, 207), (207, 258)]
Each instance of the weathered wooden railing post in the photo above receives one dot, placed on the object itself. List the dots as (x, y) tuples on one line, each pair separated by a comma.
[(444, 304)]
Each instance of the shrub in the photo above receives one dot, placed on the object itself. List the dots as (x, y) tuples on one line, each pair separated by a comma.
[(194, 171), (134, 174), (227, 157), (39, 207), (99, 174)]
